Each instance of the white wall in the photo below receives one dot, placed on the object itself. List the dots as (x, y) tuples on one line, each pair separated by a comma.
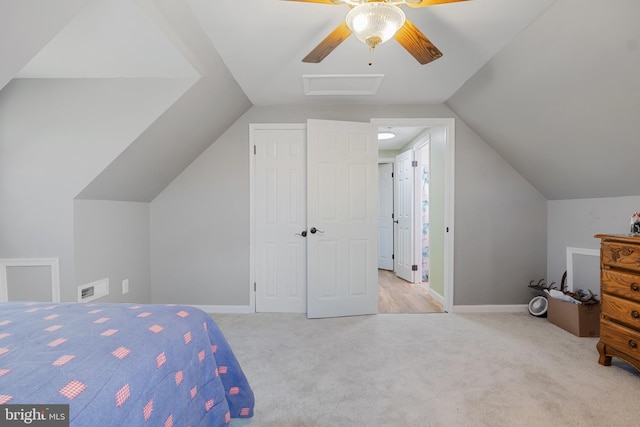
[(573, 223), (200, 222), (55, 137), (111, 240)]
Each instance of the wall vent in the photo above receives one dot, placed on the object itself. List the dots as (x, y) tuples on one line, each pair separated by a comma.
[(88, 292), (93, 290), (341, 84)]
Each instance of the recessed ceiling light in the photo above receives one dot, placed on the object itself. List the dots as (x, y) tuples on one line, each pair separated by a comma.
[(386, 135)]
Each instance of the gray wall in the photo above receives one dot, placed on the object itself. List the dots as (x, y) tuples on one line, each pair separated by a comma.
[(573, 223), (200, 222), (55, 137), (111, 240)]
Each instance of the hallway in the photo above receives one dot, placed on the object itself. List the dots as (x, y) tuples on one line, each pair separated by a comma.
[(399, 296)]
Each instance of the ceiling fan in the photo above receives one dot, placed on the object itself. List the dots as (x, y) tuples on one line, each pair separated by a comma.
[(374, 22)]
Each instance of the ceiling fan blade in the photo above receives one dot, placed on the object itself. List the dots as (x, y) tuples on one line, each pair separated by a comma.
[(425, 3), (417, 43), (320, 1), (327, 45)]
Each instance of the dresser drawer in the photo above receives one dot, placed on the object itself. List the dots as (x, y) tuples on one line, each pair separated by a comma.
[(621, 310), (624, 285), (621, 338), (620, 255)]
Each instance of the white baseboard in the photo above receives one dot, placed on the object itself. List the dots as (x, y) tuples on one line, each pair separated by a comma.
[(506, 308), (436, 296), (225, 308)]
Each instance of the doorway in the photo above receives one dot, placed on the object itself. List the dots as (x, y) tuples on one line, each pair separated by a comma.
[(428, 145), (446, 144)]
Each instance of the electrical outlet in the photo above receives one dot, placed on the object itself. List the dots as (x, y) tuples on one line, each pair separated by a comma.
[(125, 286)]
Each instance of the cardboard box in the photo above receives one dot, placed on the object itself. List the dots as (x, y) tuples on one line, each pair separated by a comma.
[(582, 320)]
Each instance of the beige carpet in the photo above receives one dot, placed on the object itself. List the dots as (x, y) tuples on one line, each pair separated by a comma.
[(427, 370)]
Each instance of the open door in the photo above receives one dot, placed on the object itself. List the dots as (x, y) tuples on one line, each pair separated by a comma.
[(342, 201), (404, 265)]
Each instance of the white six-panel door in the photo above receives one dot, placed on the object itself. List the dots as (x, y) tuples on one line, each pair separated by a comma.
[(280, 218), (342, 204), (404, 205)]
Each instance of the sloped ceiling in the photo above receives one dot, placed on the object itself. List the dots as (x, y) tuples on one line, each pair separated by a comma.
[(149, 42), (561, 102), (551, 85)]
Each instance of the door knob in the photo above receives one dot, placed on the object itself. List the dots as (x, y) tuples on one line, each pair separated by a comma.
[(303, 234), (314, 230)]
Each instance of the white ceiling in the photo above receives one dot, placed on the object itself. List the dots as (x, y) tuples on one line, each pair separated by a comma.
[(262, 43)]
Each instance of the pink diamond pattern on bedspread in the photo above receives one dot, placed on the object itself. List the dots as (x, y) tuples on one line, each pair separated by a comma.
[(160, 364), (63, 360), (57, 342), (122, 395), (156, 328), (161, 359), (73, 389), (121, 352), (146, 411)]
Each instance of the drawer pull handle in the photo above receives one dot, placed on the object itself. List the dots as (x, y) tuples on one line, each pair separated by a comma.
[(633, 344), (635, 314), (635, 287)]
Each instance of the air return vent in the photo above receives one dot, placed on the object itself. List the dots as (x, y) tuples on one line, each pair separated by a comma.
[(88, 292), (341, 84), (93, 290)]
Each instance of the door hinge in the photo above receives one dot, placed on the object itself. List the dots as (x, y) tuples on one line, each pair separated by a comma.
[(393, 256), (254, 150), (391, 174), (254, 286), (414, 267), (414, 163), (447, 229)]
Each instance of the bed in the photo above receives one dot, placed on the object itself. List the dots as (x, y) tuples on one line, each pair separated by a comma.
[(121, 364)]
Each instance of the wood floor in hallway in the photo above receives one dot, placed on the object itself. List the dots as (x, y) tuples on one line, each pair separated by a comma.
[(399, 296)]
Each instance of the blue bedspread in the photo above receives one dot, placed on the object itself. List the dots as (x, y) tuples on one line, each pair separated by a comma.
[(121, 364)]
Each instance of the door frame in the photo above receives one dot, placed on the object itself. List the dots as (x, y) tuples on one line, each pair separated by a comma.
[(447, 123), (449, 191)]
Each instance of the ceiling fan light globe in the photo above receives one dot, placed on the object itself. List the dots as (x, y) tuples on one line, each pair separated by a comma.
[(375, 23)]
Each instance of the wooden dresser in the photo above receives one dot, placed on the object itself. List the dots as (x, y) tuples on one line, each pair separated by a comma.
[(620, 295)]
